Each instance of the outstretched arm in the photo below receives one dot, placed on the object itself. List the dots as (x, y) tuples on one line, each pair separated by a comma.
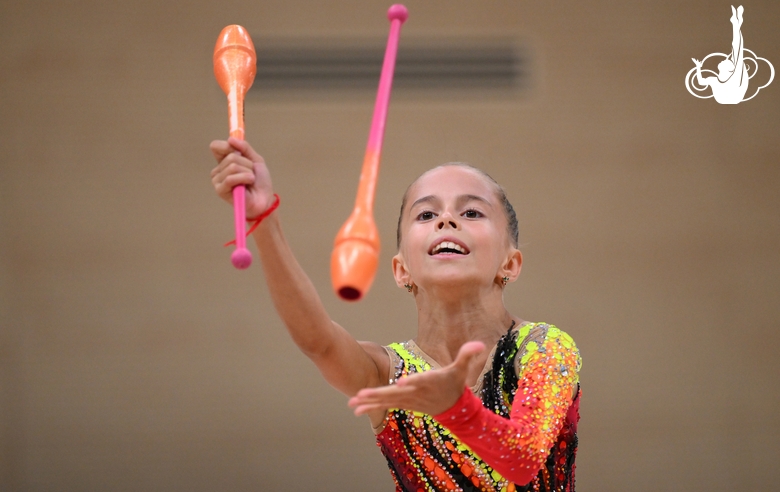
[(348, 365)]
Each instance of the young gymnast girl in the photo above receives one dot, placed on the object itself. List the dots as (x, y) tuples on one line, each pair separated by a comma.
[(479, 399)]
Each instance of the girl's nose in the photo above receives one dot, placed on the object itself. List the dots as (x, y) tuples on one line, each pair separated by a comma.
[(447, 220)]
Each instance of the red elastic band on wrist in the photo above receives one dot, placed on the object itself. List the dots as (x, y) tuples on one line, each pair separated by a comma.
[(259, 218)]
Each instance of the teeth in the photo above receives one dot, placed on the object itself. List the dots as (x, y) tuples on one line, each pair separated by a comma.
[(448, 245)]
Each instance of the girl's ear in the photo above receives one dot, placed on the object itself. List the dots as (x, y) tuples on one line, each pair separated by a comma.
[(400, 273), (512, 266)]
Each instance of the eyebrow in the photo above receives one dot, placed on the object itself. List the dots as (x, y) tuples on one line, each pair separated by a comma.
[(470, 198), (460, 200), (425, 199)]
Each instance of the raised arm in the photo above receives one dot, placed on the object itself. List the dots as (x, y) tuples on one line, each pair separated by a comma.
[(348, 365)]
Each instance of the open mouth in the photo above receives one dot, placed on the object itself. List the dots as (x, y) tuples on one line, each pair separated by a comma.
[(448, 248)]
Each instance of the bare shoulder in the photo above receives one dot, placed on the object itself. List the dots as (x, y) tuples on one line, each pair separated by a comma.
[(379, 355)]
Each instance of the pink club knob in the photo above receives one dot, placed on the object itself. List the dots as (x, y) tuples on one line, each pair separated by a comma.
[(397, 11)]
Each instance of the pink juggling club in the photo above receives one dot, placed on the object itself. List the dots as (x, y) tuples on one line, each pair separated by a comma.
[(356, 249)]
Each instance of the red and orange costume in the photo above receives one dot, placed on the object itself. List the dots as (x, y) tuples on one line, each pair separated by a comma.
[(516, 430)]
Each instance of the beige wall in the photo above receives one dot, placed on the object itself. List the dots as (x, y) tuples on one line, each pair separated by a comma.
[(134, 357)]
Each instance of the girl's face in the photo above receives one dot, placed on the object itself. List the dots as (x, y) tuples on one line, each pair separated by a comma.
[(454, 231)]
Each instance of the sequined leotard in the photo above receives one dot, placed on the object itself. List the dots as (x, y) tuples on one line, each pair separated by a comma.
[(533, 444)]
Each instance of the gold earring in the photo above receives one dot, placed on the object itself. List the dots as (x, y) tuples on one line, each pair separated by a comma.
[(409, 287), (504, 281)]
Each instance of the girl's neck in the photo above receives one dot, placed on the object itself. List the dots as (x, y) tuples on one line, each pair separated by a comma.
[(444, 323)]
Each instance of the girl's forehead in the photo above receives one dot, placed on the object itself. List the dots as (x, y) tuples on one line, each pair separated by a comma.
[(451, 180)]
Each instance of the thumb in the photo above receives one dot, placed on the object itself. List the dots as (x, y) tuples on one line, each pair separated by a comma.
[(245, 149), (467, 353)]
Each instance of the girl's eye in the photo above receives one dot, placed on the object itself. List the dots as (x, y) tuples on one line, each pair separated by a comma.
[(425, 216), (472, 214)]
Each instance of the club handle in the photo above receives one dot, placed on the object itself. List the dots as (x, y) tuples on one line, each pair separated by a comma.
[(241, 257)]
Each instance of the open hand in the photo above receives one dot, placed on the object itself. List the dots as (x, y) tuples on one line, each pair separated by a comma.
[(696, 62), (430, 392), (239, 164)]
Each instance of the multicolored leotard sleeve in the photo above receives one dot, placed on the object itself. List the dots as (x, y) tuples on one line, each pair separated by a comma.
[(518, 447)]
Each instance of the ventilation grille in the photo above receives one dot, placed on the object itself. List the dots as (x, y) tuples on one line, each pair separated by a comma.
[(454, 65)]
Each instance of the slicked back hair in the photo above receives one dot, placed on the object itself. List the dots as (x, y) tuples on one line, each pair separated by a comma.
[(509, 211)]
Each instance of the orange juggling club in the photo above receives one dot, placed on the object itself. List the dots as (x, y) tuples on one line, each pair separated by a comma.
[(356, 249), (235, 65)]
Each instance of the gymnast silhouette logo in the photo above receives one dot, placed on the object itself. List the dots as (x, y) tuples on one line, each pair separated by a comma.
[(730, 84)]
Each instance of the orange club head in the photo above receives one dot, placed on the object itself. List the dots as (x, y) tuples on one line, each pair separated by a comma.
[(235, 60), (235, 66), (355, 256)]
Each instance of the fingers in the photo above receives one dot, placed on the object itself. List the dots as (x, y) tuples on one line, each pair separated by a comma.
[(364, 409), (232, 162), (224, 185), (369, 399), (220, 149), (245, 149), (234, 157), (382, 393), (233, 165), (233, 170)]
